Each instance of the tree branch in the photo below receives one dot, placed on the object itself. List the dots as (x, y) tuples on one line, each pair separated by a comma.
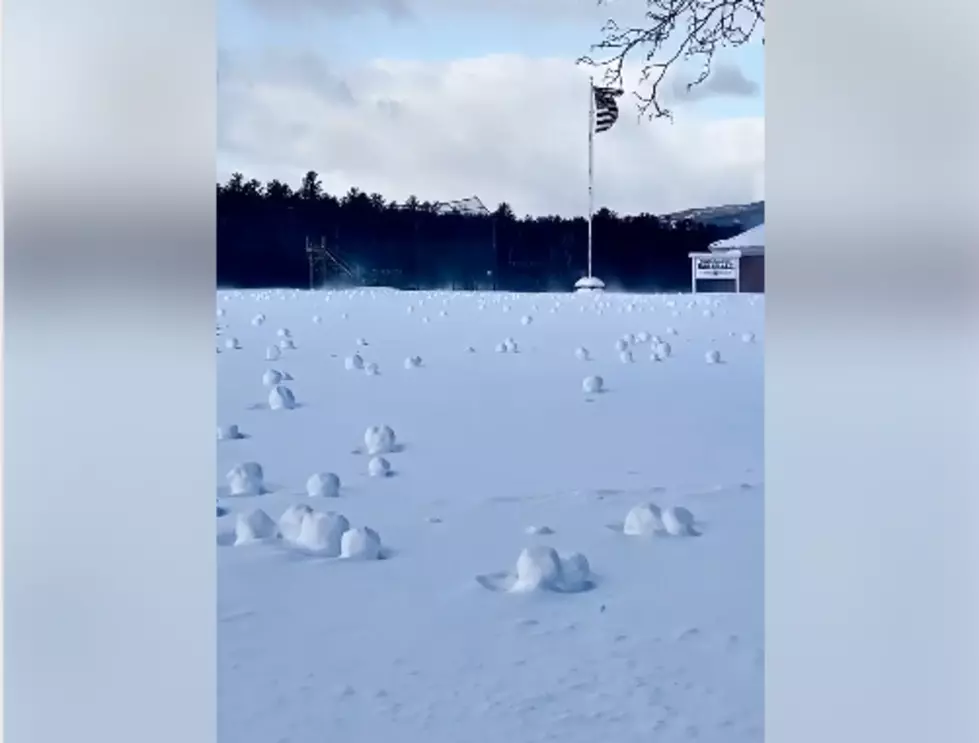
[(674, 31)]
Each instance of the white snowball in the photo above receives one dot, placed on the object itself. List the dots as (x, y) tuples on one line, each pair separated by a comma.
[(643, 520), (322, 532), (246, 479), (713, 357), (379, 440), (221, 312), (526, 320), (361, 543), (258, 320), (272, 353), (254, 526), (378, 467), (286, 344), (284, 333), (592, 384), (372, 369), (672, 331), (344, 315), (502, 348), (470, 349), (748, 338), (281, 398), (621, 344), (317, 319), (626, 357), (662, 350), (575, 572), (413, 362), (272, 377), (354, 363), (539, 530), (708, 313), (511, 345), (642, 336), (229, 432), (443, 313), (361, 342), (291, 521), (410, 309), (582, 354), (538, 567), (629, 338), (678, 522), (323, 485), (232, 344)]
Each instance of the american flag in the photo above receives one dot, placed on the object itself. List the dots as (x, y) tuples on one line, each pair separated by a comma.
[(606, 109)]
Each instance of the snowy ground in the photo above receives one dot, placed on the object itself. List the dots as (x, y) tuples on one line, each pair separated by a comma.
[(667, 643)]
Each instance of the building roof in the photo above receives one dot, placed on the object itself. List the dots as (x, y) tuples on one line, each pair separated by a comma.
[(748, 242)]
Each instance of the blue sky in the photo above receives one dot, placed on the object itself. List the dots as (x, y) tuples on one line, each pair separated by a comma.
[(461, 111)]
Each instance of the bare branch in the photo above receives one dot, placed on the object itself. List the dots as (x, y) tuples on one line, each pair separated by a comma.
[(674, 31)]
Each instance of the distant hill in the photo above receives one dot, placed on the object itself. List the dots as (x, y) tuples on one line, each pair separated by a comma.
[(730, 215)]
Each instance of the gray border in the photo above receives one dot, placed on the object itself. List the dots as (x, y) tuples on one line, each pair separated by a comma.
[(872, 380), (109, 136)]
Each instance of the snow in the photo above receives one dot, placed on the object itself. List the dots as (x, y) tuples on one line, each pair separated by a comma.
[(323, 485), (753, 238), (630, 639)]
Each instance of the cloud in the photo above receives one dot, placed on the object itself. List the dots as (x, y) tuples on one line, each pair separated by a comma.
[(724, 80), (503, 127), (292, 10)]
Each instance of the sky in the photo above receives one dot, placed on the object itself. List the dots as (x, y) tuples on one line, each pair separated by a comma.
[(446, 99)]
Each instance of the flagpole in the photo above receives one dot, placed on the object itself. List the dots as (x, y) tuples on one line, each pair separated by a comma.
[(591, 165)]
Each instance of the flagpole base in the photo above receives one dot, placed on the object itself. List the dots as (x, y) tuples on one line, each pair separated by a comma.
[(589, 284)]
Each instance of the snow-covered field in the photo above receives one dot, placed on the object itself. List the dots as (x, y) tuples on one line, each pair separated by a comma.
[(500, 444)]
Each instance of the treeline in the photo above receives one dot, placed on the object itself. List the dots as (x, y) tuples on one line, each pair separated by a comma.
[(270, 235)]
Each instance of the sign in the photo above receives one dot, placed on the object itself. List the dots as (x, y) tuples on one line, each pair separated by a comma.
[(715, 268)]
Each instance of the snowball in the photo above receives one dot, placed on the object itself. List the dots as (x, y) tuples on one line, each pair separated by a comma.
[(323, 485), (502, 348), (748, 338), (361, 342), (226, 433), (354, 363), (621, 344), (629, 338), (582, 354), (221, 312), (575, 572), (410, 309), (443, 313), (254, 526), (361, 543), (258, 320), (526, 320), (232, 344), (539, 530), (379, 440), (246, 479), (286, 344), (470, 349), (626, 357), (322, 532), (412, 362), (662, 351), (643, 520), (272, 353), (592, 384), (291, 521), (372, 369), (284, 333), (537, 567), (642, 336), (378, 467), (708, 313), (672, 331), (317, 319), (272, 377), (713, 357), (511, 345), (344, 315), (281, 398), (678, 522)]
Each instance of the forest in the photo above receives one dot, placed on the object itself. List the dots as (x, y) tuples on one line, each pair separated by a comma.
[(271, 235)]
